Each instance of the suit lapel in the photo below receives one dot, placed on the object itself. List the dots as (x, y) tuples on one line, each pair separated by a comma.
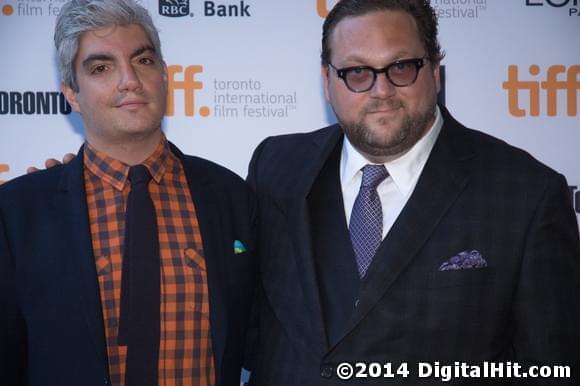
[(299, 223), (71, 206), (441, 182)]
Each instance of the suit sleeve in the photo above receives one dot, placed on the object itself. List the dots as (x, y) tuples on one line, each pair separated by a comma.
[(12, 330), (547, 307)]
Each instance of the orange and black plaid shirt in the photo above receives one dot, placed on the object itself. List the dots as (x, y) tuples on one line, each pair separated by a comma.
[(185, 351)]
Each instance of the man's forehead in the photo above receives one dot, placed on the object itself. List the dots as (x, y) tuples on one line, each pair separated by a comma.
[(397, 18), (112, 42), (355, 35), (115, 36)]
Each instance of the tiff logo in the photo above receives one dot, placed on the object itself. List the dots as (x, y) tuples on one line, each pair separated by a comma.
[(323, 7), (188, 84), (553, 83), (174, 8), (3, 169)]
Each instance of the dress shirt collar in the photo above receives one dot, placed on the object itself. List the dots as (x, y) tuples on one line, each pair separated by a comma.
[(115, 172), (404, 170)]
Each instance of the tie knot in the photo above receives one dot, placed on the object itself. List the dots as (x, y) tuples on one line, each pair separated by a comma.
[(373, 175), (139, 174)]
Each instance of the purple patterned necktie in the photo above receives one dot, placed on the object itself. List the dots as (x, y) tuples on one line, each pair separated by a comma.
[(366, 220)]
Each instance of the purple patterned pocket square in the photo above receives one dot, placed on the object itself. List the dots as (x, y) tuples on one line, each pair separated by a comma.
[(464, 260)]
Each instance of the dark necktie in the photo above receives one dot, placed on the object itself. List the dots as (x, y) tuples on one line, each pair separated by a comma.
[(140, 284), (366, 220)]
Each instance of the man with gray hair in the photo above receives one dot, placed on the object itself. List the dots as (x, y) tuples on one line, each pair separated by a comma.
[(133, 264)]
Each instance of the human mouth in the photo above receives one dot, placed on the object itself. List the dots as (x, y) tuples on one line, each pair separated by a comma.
[(131, 104), (384, 108), (384, 111)]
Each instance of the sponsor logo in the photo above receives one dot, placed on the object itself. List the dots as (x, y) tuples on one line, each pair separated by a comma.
[(558, 81), (179, 8), (232, 98), (211, 8), (174, 8), (33, 103), (33, 8), (572, 7), (3, 169)]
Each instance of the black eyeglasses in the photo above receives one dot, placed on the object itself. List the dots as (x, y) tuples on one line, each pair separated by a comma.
[(401, 73)]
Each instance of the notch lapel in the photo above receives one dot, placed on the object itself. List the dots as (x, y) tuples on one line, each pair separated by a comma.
[(314, 157), (73, 220)]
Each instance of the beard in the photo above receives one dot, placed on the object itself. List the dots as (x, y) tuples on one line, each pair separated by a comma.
[(400, 139)]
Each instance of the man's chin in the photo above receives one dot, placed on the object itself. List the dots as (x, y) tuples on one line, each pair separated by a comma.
[(378, 150), (383, 122), (382, 134)]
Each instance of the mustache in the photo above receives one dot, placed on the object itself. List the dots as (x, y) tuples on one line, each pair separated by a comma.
[(389, 104)]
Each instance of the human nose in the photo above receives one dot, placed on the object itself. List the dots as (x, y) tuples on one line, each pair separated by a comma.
[(383, 88), (129, 79)]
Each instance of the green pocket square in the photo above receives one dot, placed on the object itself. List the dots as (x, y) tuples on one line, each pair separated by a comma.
[(239, 247)]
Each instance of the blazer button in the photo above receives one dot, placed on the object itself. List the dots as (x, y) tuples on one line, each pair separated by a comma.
[(326, 371)]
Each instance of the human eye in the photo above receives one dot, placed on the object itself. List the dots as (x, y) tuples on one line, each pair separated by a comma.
[(147, 57), (358, 73), (402, 67), (98, 69), (146, 61)]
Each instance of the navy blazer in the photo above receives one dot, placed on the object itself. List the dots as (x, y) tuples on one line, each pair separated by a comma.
[(476, 193), (51, 324)]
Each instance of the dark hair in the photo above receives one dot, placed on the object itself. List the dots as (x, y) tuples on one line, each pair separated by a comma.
[(420, 10)]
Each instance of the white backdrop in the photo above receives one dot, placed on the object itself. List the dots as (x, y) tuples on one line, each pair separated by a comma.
[(237, 79)]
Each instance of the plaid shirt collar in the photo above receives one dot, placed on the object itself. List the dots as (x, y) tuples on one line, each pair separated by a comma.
[(115, 172)]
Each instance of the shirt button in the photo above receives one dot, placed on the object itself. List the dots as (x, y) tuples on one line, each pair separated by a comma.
[(326, 371)]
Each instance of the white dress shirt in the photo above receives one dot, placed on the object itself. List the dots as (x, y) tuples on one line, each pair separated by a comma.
[(404, 173)]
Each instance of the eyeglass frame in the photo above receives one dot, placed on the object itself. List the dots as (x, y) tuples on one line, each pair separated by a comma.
[(342, 72)]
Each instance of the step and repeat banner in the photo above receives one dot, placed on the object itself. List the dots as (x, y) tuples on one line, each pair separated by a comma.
[(240, 71)]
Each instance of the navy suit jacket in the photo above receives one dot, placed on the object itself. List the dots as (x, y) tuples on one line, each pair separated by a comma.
[(51, 325), (475, 193)]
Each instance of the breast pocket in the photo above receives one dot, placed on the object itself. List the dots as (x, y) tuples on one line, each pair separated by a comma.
[(193, 259), (196, 284), (461, 278)]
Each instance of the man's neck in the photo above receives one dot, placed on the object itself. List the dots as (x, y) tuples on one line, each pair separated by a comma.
[(131, 151)]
